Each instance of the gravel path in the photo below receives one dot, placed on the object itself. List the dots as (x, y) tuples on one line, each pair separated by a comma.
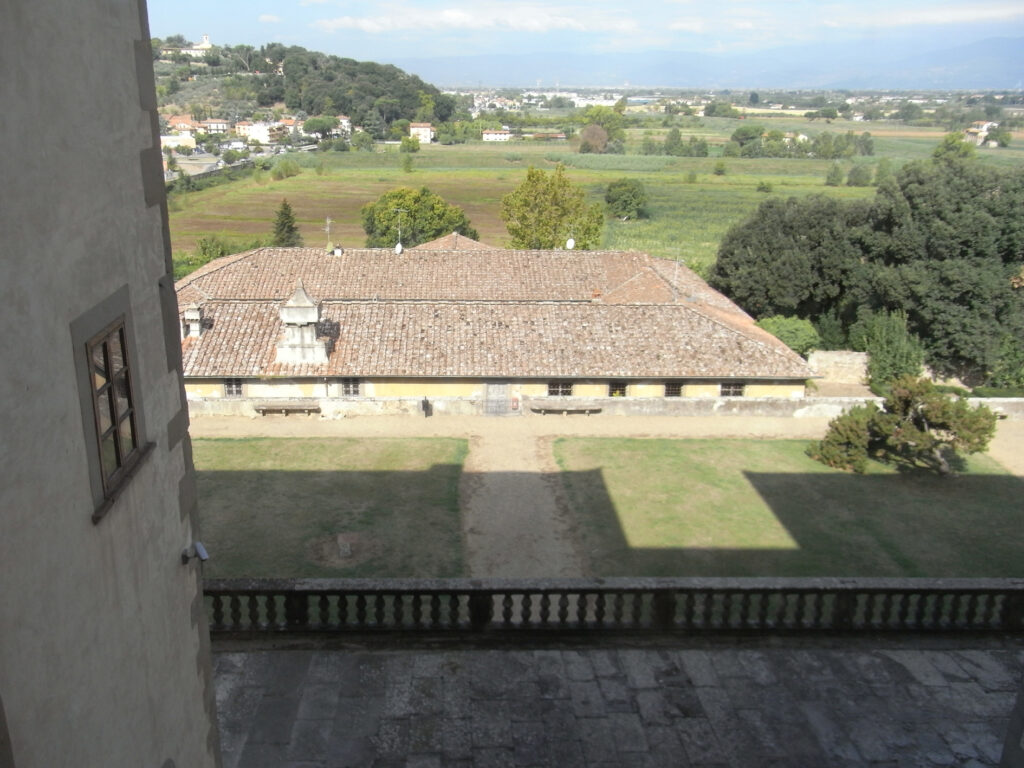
[(514, 514)]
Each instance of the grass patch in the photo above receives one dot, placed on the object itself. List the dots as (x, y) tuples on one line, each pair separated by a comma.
[(294, 508), (762, 508)]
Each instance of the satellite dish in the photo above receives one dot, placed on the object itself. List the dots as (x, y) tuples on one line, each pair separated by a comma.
[(398, 249), (570, 244)]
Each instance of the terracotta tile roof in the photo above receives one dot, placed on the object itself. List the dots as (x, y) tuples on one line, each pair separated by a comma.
[(478, 313), (454, 242)]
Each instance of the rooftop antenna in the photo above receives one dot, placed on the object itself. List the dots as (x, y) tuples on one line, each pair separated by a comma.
[(327, 229), (398, 245)]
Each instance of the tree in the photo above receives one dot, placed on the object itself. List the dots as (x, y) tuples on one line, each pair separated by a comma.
[(593, 140), (420, 214), (409, 144), (626, 199), (834, 177), (363, 141), (286, 233), (859, 176), (952, 148), (916, 427), (321, 125), (674, 142), (797, 333), (545, 210), (754, 99), (893, 351)]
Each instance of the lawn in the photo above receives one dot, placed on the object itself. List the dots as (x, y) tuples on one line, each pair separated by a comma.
[(762, 508), (295, 508)]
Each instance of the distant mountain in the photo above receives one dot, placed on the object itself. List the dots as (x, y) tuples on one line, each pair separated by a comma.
[(884, 64)]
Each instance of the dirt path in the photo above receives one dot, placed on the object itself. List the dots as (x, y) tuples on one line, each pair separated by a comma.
[(512, 504), (515, 517)]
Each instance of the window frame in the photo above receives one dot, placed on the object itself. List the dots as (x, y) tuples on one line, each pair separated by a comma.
[(731, 385), (233, 387), (618, 388), (351, 386), (560, 388), (676, 385), (91, 331)]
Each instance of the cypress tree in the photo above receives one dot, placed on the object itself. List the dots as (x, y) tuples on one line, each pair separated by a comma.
[(286, 233)]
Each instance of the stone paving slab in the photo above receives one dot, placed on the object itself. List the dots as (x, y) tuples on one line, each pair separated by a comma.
[(700, 704)]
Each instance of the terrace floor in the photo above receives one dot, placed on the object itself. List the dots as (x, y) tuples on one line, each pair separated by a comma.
[(671, 701)]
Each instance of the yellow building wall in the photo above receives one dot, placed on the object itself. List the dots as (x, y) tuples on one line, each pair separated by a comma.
[(424, 388), (533, 388), (204, 388), (590, 389), (775, 389), (258, 388), (646, 389), (700, 390)]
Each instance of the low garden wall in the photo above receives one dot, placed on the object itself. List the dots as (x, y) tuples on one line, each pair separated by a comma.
[(540, 407)]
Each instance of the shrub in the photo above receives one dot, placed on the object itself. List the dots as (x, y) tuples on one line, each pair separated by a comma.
[(892, 350), (719, 168), (998, 392), (848, 440), (764, 186), (626, 198), (797, 333), (285, 168)]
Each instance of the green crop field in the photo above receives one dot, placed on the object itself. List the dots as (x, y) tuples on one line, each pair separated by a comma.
[(691, 208)]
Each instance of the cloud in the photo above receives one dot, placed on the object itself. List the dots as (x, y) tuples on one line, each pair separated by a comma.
[(931, 15), (269, 18), (516, 18)]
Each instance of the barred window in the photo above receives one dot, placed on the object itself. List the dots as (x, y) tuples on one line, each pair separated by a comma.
[(350, 386), (732, 389), (117, 433), (559, 388), (617, 389), (673, 389), (232, 387)]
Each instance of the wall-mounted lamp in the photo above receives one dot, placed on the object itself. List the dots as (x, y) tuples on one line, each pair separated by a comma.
[(196, 550)]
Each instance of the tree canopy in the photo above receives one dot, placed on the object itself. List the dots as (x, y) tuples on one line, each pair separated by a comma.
[(421, 215), (942, 241), (917, 426), (286, 232), (626, 198), (546, 209)]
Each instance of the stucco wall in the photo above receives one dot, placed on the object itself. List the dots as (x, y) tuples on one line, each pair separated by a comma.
[(104, 659), (839, 366)]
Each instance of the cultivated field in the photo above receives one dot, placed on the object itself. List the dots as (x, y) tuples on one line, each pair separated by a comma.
[(691, 207)]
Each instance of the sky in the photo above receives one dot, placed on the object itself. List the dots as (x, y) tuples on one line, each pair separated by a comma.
[(387, 31)]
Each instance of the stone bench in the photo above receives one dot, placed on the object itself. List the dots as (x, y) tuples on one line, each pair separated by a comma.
[(544, 410), (284, 407)]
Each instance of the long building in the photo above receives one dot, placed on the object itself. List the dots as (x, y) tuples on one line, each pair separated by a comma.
[(467, 327)]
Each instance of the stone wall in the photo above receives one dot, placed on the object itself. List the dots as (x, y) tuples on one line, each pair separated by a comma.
[(806, 407), (840, 367)]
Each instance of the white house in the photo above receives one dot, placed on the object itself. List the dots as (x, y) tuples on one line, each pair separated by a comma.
[(497, 135), (424, 132)]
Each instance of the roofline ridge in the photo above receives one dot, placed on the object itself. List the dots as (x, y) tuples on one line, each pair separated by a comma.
[(217, 265)]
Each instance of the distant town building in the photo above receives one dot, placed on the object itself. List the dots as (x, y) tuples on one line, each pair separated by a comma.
[(502, 135), (424, 132)]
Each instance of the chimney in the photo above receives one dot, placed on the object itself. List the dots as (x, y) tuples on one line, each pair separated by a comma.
[(299, 343), (192, 322)]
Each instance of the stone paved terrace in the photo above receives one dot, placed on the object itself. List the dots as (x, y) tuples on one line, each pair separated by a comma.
[(880, 700)]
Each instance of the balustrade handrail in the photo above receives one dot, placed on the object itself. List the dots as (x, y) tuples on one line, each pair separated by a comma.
[(614, 604)]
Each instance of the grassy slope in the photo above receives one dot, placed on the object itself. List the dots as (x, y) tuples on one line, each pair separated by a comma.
[(275, 507), (762, 508)]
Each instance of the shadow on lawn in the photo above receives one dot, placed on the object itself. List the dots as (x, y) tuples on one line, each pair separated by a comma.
[(842, 525), (293, 524)]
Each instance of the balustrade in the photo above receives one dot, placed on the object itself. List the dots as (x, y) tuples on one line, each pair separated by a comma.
[(646, 605)]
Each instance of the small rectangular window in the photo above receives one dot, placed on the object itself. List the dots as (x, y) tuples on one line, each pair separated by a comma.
[(232, 387), (617, 389), (559, 388), (673, 389), (732, 389), (350, 387), (117, 432)]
